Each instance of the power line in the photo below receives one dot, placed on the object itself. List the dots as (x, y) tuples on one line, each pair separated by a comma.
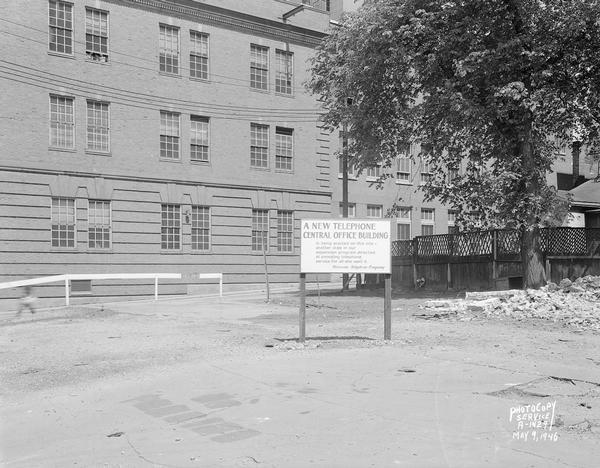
[(116, 52), (145, 98), (40, 83), (187, 102)]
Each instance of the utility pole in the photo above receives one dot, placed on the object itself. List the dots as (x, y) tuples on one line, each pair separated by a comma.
[(345, 278)]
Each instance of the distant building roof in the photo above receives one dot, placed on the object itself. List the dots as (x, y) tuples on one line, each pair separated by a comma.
[(586, 194)]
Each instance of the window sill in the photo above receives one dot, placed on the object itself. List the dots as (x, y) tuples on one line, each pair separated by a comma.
[(99, 62), (201, 80), (285, 95), (350, 176), (257, 90), (98, 153), (263, 169), (200, 252), (200, 163), (169, 160), (64, 150), (171, 252), (278, 253), (60, 54), (99, 250), (64, 249), (372, 179), (403, 182), (284, 171)]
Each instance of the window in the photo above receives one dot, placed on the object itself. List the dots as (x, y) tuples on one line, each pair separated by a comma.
[(170, 227), (403, 172), (98, 126), (260, 230), (169, 49), (169, 135), (374, 172), (284, 72), (259, 145), (62, 122), (60, 16), (426, 174), (285, 231), (99, 224), (351, 169), (427, 221), (351, 210), (80, 287), (374, 211), (452, 229), (63, 222), (199, 55), (96, 35), (284, 148), (403, 221), (453, 174), (199, 138), (259, 67), (200, 228)]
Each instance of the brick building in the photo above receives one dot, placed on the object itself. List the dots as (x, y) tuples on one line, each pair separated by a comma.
[(154, 136)]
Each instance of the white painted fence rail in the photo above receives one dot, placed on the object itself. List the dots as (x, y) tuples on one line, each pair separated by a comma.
[(105, 276)]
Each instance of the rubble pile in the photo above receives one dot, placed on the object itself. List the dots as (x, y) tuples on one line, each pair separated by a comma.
[(576, 304)]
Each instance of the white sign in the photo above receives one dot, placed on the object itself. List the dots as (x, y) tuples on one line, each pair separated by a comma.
[(345, 246)]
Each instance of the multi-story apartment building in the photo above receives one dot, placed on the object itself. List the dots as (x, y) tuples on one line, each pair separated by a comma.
[(415, 217), (159, 136)]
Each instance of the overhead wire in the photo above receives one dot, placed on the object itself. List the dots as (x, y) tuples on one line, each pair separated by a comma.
[(50, 86), (164, 101), (246, 83)]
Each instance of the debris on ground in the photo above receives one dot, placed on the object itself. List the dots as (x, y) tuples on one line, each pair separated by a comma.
[(573, 303)]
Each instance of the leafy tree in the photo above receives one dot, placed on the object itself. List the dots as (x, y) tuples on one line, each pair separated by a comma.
[(493, 85)]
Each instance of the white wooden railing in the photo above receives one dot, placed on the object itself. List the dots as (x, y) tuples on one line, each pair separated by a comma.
[(107, 276)]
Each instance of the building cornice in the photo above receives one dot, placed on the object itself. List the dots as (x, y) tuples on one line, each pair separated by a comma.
[(157, 180), (229, 19)]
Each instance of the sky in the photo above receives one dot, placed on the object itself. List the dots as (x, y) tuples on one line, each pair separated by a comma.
[(350, 5)]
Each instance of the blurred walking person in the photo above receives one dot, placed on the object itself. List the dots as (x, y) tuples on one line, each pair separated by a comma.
[(27, 300)]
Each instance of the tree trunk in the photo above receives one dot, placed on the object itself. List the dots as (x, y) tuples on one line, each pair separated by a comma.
[(534, 274)]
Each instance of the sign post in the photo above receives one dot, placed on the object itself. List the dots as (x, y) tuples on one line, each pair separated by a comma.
[(302, 318), (346, 246)]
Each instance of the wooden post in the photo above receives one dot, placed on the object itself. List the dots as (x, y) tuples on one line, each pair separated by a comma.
[(415, 243), (67, 290), (548, 270), (387, 309), (495, 258), (450, 254), (302, 314)]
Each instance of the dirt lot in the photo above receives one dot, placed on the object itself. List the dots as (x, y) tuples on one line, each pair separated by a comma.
[(74, 350)]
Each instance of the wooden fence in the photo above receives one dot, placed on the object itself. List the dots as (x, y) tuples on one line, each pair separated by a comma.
[(492, 259)]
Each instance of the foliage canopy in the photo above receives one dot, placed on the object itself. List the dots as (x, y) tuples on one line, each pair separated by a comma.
[(494, 84)]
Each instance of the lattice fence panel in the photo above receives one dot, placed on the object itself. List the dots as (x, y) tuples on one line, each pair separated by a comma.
[(476, 243), (566, 241), (434, 246), (509, 242), (402, 248)]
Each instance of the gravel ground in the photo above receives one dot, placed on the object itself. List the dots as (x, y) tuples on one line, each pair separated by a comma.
[(80, 346)]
